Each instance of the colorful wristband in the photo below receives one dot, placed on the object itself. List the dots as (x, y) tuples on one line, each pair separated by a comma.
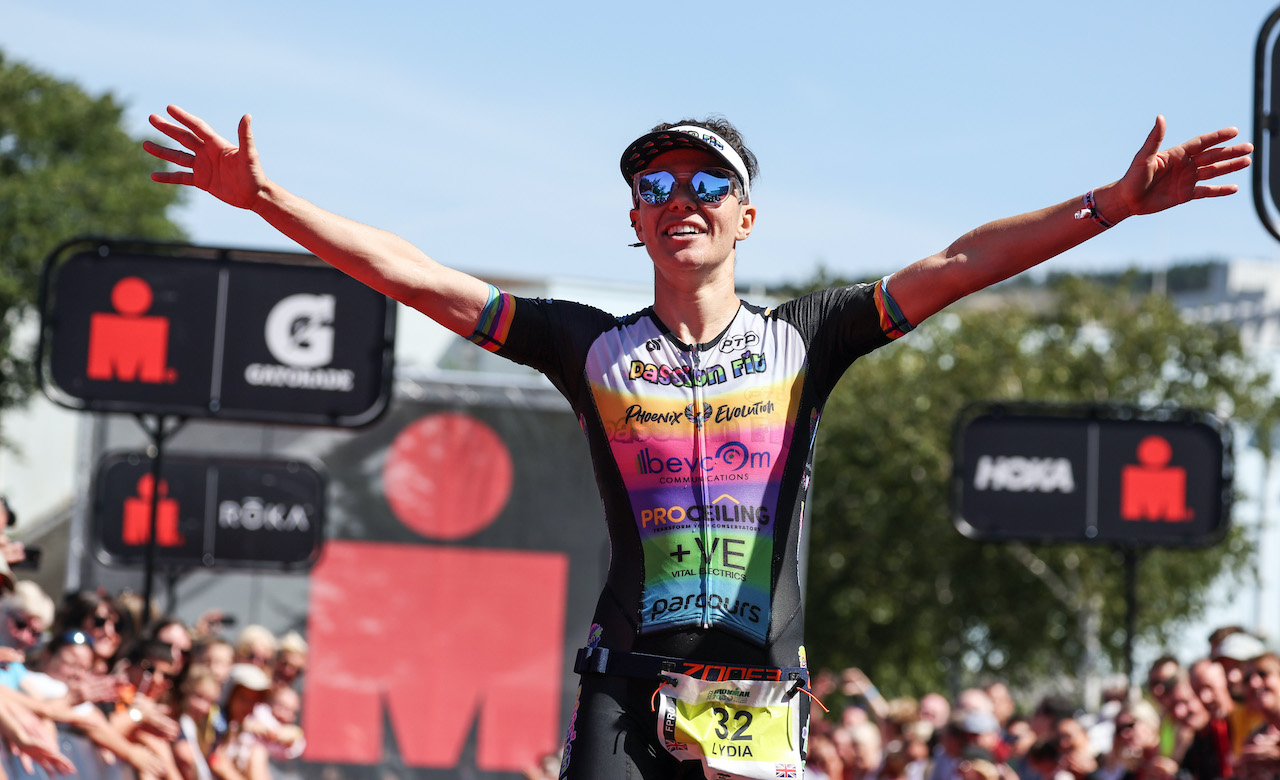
[(1091, 210)]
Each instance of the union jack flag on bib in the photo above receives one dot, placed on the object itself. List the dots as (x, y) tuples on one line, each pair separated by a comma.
[(785, 770)]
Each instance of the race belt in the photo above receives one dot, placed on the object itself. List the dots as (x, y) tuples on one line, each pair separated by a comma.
[(602, 660)]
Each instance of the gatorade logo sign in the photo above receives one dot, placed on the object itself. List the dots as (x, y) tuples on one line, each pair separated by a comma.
[(299, 333), (173, 330)]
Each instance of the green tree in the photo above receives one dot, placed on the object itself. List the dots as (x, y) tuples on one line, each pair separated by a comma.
[(894, 588), (67, 168)]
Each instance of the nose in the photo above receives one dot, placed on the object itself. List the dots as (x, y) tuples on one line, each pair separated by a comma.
[(682, 197)]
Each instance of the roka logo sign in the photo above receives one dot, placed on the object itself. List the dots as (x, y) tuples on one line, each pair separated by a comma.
[(299, 330), (299, 333)]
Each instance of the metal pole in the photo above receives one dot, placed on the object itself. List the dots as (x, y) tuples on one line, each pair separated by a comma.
[(1131, 607), (159, 433)]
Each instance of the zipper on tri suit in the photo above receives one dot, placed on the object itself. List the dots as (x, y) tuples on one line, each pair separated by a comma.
[(699, 454)]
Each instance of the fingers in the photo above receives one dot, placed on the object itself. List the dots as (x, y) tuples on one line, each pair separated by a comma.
[(1154, 138), (1202, 142), (1204, 172), (1214, 190), (1218, 154), (174, 156), (174, 177), (246, 133), (180, 134), (198, 126)]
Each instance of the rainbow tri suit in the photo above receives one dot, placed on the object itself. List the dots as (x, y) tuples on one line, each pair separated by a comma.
[(702, 455)]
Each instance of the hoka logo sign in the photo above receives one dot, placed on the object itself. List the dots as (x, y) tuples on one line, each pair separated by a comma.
[(1024, 475)]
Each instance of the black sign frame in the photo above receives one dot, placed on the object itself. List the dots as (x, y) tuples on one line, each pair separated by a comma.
[(219, 373), (1097, 523), (213, 471)]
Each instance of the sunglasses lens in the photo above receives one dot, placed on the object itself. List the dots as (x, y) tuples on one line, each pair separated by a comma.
[(655, 187), (711, 186)]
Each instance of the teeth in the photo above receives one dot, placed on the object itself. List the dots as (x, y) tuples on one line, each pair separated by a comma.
[(683, 231)]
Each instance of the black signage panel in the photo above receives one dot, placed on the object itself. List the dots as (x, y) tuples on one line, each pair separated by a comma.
[(135, 330), (1161, 484), (1091, 474), (211, 512), (283, 346), (1014, 476), (199, 332)]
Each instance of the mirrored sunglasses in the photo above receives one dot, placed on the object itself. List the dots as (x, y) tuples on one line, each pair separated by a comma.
[(711, 185)]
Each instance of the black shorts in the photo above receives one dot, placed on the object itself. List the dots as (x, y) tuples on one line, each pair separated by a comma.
[(613, 734)]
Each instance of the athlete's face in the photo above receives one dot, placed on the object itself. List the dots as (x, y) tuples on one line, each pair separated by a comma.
[(685, 232)]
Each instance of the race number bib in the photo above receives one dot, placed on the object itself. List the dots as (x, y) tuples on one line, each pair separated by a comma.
[(746, 729)]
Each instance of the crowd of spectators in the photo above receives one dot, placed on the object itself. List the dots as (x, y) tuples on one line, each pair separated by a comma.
[(157, 697), (1217, 718)]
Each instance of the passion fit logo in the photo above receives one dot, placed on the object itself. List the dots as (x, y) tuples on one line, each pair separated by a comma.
[(299, 334), (687, 376)]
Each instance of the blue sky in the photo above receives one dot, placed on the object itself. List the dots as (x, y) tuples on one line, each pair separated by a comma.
[(489, 133)]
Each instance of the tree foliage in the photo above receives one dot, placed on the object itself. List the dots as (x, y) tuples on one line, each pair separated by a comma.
[(894, 589), (67, 168)]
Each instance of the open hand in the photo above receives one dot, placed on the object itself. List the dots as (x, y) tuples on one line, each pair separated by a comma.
[(1157, 180), (230, 173)]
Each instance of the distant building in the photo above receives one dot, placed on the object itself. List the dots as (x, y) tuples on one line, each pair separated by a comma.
[(1246, 293)]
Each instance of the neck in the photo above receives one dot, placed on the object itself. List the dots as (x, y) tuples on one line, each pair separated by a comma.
[(696, 311)]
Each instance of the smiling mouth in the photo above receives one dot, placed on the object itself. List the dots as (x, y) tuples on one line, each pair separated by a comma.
[(684, 230)]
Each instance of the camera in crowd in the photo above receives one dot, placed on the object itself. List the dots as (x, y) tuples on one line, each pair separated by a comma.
[(31, 555)]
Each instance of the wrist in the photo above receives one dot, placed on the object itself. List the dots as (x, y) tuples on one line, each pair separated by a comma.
[(1111, 204), (269, 197)]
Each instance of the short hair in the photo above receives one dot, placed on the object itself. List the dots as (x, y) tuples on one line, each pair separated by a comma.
[(195, 677), (1056, 708), (30, 598), (145, 653), (865, 733), (254, 634), (1219, 634), (725, 129), (1162, 661), (294, 643), (201, 647)]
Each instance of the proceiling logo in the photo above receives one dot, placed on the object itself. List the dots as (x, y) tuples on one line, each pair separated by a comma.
[(299, 334)]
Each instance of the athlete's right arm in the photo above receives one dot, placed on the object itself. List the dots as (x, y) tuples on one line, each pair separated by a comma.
[(385, 262)]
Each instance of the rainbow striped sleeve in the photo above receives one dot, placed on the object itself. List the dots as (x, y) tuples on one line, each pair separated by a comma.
[(892, 321), (495, 320)]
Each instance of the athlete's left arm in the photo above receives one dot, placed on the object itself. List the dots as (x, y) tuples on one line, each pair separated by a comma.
[(1156, 180)]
